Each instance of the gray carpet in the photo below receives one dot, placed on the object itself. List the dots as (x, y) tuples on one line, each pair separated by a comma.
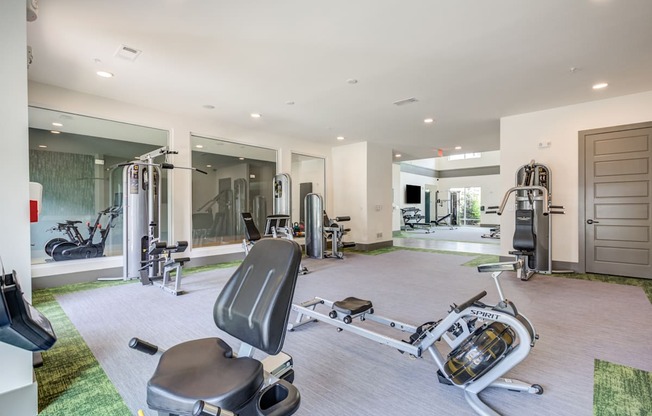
[(341, 373)]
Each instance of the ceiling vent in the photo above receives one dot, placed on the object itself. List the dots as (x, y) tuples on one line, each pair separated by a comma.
[(405, 101), (128, 53)]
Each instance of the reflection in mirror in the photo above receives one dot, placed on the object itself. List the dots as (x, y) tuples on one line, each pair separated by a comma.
[(73, 158), (239, 180), (308, 173)]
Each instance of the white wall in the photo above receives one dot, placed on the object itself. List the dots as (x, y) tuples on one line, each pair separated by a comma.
[(519, 138), (363, 191), (379, 193), (350, 185), (17, 389)]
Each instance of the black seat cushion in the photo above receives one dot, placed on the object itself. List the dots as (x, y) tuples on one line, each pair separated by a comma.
[(203, 369), (352, 306)]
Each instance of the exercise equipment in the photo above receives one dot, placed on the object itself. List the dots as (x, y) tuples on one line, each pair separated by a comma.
[(412, 218), (76, 246), (493, 232), (532, 240), (205, 376), (449, 218), (319, 230), (277, 226), (21, 325), (486, 341), (142, 206), (283, 194), (161, 252)]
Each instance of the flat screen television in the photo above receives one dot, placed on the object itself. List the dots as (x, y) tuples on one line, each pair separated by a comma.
[(412, 194)]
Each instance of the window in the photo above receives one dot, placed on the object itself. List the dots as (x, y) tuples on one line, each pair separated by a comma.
[(240, 179), (468, 205), (74, 158), (465, 156)]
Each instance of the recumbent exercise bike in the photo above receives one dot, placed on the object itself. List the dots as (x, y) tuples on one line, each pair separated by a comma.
[(205, 376), (486, 340)]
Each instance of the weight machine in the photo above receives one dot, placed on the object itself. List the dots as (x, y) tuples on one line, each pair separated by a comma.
[(145, 256), (320, 229), (533, 206)]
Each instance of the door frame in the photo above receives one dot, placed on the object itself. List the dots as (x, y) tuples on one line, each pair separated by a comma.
[(581, 203)]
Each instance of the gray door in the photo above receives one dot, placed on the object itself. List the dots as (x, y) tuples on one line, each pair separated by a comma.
[(617, 206)]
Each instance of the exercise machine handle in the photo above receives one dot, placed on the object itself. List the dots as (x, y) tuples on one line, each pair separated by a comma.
[(201, 408), (541, 189), (143, 346), (470, 302), (342, 219)]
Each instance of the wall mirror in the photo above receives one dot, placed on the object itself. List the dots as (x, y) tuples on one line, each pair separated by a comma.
[(240, 179), (308, 176), (73, 158)]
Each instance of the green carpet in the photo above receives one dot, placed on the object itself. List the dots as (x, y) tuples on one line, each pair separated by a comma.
[(71, 381), (621, 391)]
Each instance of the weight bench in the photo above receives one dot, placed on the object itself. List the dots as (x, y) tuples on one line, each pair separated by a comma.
[(167, 283), (276, 226)]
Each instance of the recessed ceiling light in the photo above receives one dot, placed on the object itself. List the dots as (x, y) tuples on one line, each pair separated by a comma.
[(600, 86), (104, 74), (208, 106), (255, 115), (42, 146), (55, 132), (241, 158), (199, 146), (55, 124), (458, 147), (340, 138), (398, 155), (209, 166), (429, 120)]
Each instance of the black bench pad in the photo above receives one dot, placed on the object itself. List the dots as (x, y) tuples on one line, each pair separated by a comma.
[(352, 306)]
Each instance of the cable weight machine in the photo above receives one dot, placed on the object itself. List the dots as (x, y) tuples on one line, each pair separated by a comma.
[(533, 223), (145, 256)]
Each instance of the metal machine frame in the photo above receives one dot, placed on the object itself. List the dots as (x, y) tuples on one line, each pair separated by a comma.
[(454, 329)]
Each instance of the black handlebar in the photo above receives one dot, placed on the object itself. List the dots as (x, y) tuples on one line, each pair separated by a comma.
[(470, 302), (143, 346)]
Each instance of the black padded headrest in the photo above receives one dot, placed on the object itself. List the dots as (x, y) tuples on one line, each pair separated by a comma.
[(251, 231), (255, 303)]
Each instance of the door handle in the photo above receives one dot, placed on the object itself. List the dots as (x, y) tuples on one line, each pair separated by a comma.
[(592, 222)]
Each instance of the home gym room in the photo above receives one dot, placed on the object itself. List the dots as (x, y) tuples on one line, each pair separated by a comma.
[(371, 145)]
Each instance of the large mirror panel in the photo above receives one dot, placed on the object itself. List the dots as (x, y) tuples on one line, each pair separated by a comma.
[(73, 159), (240, 179), (308, 173)]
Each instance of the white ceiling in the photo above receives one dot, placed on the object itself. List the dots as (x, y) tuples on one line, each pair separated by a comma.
[(467, 62)]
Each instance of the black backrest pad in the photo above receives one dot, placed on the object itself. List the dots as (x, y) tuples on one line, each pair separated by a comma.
[(255, 303), (524, 238), (251, 231)]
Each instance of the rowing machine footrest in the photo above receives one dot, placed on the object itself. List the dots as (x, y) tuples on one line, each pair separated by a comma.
[(352, 306)]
